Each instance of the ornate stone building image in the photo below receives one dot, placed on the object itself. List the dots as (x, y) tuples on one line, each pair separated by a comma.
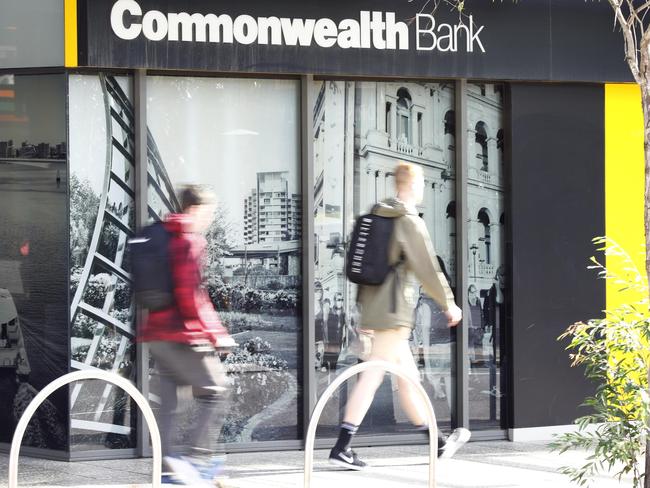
[(361, 131)]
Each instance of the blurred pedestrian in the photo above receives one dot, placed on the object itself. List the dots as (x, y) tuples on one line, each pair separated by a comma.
[(388, 308), (184, 340)]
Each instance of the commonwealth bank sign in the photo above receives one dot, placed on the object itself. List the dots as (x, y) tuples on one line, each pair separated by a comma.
[(369, 30), (360, 38)]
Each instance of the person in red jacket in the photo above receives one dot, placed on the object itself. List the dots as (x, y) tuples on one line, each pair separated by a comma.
[(183, 340)]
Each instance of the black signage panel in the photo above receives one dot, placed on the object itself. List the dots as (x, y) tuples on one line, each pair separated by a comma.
[(524, 40)]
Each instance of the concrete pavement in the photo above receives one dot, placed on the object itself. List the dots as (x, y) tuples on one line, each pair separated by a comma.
[(479, 464)]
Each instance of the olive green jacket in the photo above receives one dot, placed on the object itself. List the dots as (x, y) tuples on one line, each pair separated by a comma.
[(392, 304)]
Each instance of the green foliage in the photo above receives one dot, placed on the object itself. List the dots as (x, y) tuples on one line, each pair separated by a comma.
[(83, 327), (237, 322), (614, 352), (258, 379), (228, 297), (84, 204)]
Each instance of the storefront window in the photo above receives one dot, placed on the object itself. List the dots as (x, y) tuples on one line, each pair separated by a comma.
[(361, 131), (33, 255), (102, 219), (241, 137), (487, 290)]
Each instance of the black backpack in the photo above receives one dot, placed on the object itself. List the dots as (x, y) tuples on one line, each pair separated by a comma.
[(151, 268), (367, 258)]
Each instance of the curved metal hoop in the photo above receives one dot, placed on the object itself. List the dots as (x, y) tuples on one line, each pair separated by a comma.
[(342, 378), (112, 378)]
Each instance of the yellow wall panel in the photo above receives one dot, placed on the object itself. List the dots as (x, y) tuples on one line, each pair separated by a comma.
[(71, 48), (624, 176)]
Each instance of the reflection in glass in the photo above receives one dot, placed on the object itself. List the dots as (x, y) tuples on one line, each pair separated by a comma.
[(33, 257), (486, 258), (241, 137)]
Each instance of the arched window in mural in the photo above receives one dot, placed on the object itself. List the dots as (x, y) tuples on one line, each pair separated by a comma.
[(484, 220), (500, 145), (451, 218), (481, 145), (389, 128), (403, 116)]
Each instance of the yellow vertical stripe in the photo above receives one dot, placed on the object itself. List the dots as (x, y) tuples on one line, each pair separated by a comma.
[(624, 180), (71, 50)]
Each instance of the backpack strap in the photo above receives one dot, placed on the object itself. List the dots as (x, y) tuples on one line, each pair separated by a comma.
[(396, 281)]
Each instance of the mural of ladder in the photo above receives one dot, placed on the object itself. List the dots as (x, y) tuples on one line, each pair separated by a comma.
[(114, 225)]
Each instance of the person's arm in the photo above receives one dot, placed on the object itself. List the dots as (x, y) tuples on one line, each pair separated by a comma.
[(193, 303), (421, 257)]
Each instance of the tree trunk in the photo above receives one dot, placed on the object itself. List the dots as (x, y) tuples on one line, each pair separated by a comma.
[(645, 101)]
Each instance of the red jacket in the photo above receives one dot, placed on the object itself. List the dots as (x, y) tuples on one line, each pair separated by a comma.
[(192, 319)]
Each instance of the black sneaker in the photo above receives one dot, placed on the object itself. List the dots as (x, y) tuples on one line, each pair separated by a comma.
[(455, 441), (346, 459)]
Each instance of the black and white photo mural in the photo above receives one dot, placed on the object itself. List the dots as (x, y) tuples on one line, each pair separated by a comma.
[(33, 256), (102, 219), (241, 138), (486, 255), (361, 131)]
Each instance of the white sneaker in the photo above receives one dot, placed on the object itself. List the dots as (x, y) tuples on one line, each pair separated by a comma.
[(455, 441), (185, 472)]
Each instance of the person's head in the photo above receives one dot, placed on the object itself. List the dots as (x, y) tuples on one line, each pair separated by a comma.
[(471, 293), (318, 291), (338, 300), (409, 183), (199, 204)]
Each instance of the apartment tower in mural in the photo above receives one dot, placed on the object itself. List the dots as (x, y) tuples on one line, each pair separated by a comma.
[(272, 211)]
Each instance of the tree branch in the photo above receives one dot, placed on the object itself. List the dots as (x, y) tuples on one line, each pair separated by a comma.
[(631, 54)]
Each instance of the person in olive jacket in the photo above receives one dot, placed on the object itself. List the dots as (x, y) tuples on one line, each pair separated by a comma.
[(388, 310)]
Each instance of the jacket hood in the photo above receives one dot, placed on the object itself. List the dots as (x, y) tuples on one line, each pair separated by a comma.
[(393, 208), (178, 223)]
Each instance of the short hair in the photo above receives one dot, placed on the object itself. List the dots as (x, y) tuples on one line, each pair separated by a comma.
[(192, 195), (405, 173)]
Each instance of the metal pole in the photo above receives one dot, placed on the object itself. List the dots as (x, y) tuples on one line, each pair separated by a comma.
[(462, 258), (342, 378), (112, 378), (141, 219), (308, 272)]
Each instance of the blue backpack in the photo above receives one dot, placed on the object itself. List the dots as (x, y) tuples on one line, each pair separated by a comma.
[(153, 282)]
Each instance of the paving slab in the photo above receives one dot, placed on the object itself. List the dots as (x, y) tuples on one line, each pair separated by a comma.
[(497, 464)]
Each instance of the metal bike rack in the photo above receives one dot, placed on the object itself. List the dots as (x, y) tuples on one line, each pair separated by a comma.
[(342, 378), (112, 378)]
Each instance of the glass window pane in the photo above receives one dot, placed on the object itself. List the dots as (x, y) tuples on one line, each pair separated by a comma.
[(355, 153), (241, 137), (33, 255), (487, 290), (101, 221)]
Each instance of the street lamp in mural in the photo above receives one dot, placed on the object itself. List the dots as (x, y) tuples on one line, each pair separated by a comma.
[(474, 248)]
